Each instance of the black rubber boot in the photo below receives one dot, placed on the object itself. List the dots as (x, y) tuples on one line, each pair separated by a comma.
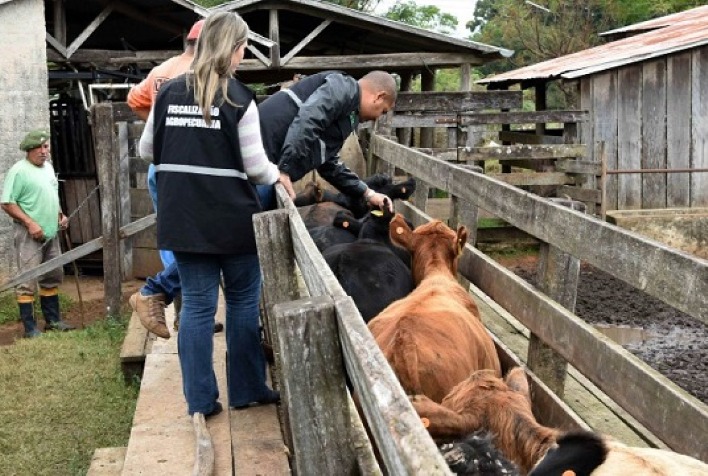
[(27, 318), (52, 318)]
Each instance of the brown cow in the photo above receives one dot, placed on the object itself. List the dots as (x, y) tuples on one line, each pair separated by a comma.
[(502, 407), (433, 338)]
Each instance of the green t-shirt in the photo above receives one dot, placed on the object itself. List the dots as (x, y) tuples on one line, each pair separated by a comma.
[(36, 191)]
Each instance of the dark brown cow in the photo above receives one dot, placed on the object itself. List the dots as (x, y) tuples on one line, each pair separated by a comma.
[(433, 338)]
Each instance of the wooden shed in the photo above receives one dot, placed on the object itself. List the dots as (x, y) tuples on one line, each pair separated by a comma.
[(647, 95)]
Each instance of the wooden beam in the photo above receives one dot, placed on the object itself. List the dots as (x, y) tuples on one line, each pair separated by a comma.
[(106, 151), (305, 41), (76, 253), (368, 62), (261, 57), (534, 178), (76, 44), (676, 278), (274, 34), (60, 21), (528, 137), (57, 46), (140, 16), (527, 152), (458, 101), (523, 117)]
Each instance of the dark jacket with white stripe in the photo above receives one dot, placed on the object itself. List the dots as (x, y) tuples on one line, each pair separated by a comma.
[(305, 126), (206, 201)]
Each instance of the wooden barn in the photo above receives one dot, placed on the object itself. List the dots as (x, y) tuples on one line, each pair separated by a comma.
[(647, 98)]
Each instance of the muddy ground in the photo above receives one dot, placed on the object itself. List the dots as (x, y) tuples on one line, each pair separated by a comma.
[(674, 344)]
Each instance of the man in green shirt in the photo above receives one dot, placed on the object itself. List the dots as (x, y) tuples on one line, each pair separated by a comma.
[(31, 198)]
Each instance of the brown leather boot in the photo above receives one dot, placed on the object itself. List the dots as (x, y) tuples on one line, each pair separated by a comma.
[(151, 311)]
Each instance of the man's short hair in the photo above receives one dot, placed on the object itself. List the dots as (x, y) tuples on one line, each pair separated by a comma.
[(382, 81)]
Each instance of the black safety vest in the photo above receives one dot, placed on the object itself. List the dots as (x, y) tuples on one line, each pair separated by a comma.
[(205, 201)]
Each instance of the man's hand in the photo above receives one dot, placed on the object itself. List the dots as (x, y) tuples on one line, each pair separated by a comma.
[(35, 231), (285, 181), (63, 222), (379, 200)]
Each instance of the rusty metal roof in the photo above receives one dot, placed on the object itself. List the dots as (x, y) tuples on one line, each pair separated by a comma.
[(660, 22), (690, 32)]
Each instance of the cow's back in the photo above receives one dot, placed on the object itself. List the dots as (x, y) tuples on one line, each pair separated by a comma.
[(433, 339)]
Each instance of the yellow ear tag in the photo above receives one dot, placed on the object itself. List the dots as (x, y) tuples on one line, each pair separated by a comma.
[(459, 248), (345, 224), (425, 421), (568, 472), (403, 190), (377, 213), (399, 230)]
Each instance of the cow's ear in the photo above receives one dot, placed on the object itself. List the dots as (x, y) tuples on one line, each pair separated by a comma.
[(461, 238), (399, 232), (516, 380)]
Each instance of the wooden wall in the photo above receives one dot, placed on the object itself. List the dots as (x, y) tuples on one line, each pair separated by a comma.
[(651, 115)]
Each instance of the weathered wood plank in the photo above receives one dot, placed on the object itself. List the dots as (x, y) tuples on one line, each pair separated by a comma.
[(458, 101), (107, 164), (629, 136), (587, 136), (525, 151), (659, 404), (654, 132), (678, 129), (558, 274), (124, 215), (314, 386), (522, 117), (580, 194), (540, 178), (529, 138), (76, 253), (605, 109), (403, 443), (699, 126), (675, 278), (572, 166)]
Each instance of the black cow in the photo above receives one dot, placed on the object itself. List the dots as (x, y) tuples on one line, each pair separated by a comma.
[(371, 273)]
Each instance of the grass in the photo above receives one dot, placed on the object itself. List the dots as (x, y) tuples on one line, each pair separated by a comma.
[(9, 311), (62, 396)]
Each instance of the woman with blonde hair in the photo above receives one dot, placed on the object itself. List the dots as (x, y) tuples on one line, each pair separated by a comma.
[(203, 133)]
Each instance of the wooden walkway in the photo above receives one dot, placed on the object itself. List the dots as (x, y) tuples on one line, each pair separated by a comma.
[(162, 441)]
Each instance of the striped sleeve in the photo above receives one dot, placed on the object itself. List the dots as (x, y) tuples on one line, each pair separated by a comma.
[(259, 169)]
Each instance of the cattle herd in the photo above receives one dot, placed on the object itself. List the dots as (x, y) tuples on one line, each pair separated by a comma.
[(404, 282)]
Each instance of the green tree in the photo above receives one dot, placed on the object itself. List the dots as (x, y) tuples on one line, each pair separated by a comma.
[(423, 16)]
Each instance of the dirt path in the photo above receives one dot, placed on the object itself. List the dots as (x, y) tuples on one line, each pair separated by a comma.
[(92, 294)]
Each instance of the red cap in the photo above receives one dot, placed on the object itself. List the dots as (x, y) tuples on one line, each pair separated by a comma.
[(196, 29)]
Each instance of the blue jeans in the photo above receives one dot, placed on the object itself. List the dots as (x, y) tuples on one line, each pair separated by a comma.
[(166, 281), (166, 256), (266, 194), (246, 365)]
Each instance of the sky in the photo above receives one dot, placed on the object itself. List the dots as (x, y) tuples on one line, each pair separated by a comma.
[(462, 9)]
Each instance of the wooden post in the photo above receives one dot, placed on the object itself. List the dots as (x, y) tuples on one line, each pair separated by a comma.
[(274, 33), (558, 274), (124, 214), (427, 83), (314, 386), (277, 259), (464, 212), (105, 144), (405, 134)]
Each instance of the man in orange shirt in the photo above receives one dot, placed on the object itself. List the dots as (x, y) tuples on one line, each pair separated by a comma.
[(159, 290), (142, 96)]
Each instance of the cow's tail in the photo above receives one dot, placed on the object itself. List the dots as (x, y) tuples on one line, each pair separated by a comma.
[(407, 362)]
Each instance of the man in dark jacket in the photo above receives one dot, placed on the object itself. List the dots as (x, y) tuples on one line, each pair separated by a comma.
[(305, 126)]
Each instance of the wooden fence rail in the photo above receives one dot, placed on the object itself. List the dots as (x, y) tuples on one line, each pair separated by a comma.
[(672, 276)]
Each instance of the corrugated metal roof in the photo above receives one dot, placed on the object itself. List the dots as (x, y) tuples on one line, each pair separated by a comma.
[(660, 22), (688, 33)]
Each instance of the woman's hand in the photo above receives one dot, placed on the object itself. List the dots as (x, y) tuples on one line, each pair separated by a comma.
[(285, 181)]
